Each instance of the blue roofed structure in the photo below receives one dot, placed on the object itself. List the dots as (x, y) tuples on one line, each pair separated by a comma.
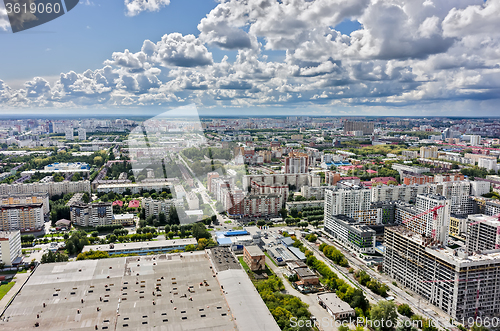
[(236, 233), (224, 241)]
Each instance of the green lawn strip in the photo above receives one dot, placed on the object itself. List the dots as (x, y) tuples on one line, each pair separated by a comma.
[(5, 288), (243, 263)]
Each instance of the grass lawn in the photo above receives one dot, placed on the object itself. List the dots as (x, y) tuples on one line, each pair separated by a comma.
[(5, 288), (243, 263)]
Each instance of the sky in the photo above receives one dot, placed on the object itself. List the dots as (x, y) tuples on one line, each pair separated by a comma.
[(244, 57)]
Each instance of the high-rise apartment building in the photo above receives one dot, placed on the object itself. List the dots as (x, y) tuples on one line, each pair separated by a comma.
[(91, 215), (352, 202), (52, 188), (23, 217), (483, 233), (24, 199), (433, 225), (154, 207), (10, 247), (428, 152), (366, 127), (82, 134), (68, 132), (464, 286), (296, 163)]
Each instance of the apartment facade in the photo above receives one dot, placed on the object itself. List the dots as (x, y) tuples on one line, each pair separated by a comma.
[(92, 215), (357, 237), (262, 205), (23, 217), (23, 199), (10, 247), (456, 282), (52, 188), (483, 233), (154, 207), (432, 225)]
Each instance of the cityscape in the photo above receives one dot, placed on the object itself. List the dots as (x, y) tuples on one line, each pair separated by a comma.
[(126, 223), (250, 165)]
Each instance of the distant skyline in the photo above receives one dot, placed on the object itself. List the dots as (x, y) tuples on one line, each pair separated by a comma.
[(317, 58)]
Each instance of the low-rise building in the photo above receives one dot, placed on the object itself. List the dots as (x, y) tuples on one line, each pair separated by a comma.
[(299, 205), (124, 219), (143, 248), (254, 258), (337, 308)]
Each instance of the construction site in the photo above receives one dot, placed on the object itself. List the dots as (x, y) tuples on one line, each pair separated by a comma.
[(463, 285), (165, 292)]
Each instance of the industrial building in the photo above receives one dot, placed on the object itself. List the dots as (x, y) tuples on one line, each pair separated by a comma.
[(168, 292), (337, 308), (461, 284), (357, 237), (254, 258), (10, 247), (143, 248)]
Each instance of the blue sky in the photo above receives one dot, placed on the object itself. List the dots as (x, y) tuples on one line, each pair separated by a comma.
[(86, 36), (324, 57)]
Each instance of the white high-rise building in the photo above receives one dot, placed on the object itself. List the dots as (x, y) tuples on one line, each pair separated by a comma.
[(475, 140), (82, 134), (10, 247), (69, 133), (352, 202), (488, 164), (457, 192)]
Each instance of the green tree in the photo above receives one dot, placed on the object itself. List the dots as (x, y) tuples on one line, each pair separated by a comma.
[(162, 218), (384, 312), (200, 231), (51, 257), (405, 310), (283, 213)]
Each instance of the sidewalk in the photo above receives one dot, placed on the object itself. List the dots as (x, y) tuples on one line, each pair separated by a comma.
[(20, 279)]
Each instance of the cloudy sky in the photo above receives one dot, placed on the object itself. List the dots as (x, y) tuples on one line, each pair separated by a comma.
[(316, 57)]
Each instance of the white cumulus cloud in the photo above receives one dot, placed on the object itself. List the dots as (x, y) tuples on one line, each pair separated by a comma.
[(135, 7)]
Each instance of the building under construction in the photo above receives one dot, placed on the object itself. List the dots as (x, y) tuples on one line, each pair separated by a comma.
[(463, 285)]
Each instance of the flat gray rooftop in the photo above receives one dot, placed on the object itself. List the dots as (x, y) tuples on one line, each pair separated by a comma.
[(165, 292), (223, 259)]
